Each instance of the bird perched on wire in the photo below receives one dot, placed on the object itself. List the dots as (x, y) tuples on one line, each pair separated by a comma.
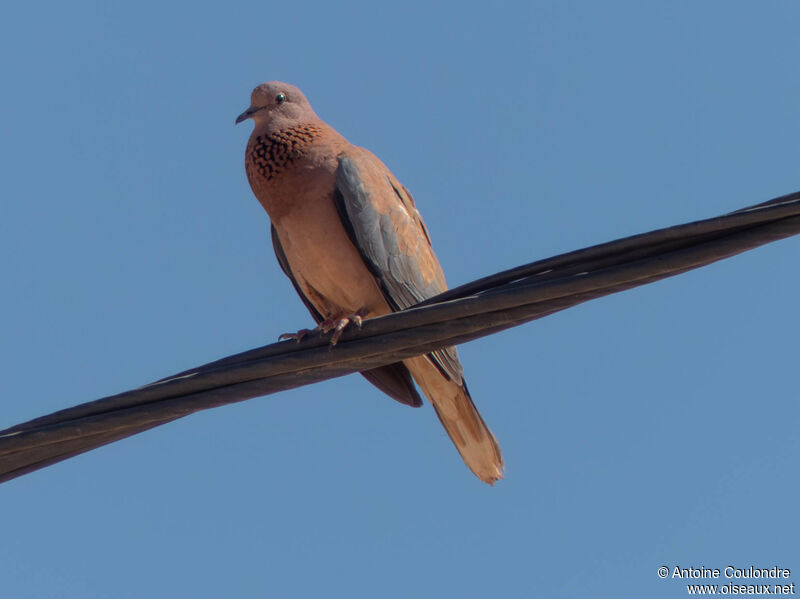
[(348, 235)]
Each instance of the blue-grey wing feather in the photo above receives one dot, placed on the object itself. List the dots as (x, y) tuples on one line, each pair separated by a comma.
[(376, 210)]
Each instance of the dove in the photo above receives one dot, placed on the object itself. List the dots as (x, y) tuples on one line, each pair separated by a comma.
[(348, 235)]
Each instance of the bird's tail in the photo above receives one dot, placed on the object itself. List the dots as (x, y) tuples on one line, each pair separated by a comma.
[(461, 419)]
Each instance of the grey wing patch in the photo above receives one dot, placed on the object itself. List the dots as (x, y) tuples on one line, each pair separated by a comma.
[(374, 234)]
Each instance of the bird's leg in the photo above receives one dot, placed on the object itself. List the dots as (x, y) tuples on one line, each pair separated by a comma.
[(337, 325)]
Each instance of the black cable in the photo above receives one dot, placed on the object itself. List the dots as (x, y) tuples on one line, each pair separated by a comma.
[(477, 309)]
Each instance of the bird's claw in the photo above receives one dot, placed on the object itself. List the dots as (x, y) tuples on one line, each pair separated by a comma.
[(298, 336), (337, 325)]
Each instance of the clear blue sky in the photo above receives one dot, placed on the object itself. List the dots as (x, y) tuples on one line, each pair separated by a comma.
[(655, 427)]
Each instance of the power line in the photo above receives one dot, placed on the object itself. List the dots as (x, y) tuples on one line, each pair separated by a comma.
[(477, 309)]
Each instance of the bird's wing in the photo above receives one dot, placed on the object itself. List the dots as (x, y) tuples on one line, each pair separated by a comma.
[(393, 379), (383, 223)]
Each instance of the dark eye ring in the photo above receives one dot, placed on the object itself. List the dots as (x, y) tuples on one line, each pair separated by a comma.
[(280, 98)]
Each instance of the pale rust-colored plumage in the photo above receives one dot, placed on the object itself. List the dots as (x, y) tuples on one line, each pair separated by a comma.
[(350, 238)]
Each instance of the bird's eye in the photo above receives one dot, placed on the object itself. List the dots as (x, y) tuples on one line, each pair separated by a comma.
[(280, 98)]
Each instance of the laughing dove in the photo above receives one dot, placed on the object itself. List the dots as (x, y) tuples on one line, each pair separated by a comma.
[(351, 240)]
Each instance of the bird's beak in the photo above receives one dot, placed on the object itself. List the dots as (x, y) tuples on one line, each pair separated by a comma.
[(247, 114)]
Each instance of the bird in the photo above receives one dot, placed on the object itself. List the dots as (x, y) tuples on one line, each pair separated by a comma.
[(348, 235)]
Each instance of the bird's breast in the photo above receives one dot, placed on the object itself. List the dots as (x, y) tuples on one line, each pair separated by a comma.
[(326, 265), (279, 164), (271, 153), (293, 174)]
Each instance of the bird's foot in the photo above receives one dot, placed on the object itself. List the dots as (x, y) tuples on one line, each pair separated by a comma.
[(337, 325), (298, 336)]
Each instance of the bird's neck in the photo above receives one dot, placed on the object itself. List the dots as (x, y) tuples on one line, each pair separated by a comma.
[(278, 162), (269, 153)]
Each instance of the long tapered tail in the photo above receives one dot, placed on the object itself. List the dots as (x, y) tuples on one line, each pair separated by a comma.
[(461, 419)]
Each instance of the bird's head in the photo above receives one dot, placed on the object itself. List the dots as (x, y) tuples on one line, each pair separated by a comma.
[(275, 105)]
